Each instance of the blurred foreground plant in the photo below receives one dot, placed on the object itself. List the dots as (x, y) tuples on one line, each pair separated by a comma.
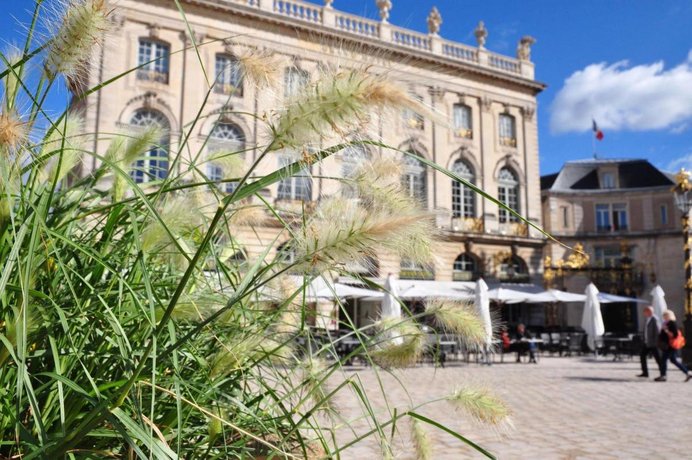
[(127, 329)]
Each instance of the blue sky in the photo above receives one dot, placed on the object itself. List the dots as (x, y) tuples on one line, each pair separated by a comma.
[(626, 62)]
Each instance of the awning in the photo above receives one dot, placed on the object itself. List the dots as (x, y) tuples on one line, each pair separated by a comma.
[(555, 295)]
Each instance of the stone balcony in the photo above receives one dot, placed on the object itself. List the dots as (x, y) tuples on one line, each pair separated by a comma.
[(382, 33)]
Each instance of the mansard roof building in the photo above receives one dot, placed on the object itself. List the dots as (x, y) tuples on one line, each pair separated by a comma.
[(622, 212)]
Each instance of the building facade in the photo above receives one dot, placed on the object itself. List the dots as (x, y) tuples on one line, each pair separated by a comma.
[(622, 213), (488, 102)]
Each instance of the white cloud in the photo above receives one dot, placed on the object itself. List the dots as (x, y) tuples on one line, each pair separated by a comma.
[(684, 161), (619, 97)]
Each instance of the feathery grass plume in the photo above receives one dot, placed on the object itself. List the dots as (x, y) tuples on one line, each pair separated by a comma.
[(124, 150), (242, 348), (232, 164), (402, 345), (314, 372), (13, 132), (291, 312), (386, 449), (247, 215), (460, 318), (181, 219), (82, 26), (421, 441), (62, 148), (481, 405), (197, 307), (341, 231), (261, 67), (13, 77), (336, 104)]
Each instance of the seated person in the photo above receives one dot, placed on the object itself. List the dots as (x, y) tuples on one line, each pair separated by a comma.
[(506, 341), (522, 344)]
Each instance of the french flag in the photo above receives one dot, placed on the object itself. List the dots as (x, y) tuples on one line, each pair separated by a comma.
[(597, 132)]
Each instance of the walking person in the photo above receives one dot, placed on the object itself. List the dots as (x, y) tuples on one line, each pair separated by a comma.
[(670, 340), (652, 328)]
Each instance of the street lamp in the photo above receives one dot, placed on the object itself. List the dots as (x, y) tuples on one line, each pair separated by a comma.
[(683, 199)]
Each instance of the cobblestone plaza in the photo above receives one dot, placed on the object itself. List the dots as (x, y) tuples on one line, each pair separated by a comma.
[(563, 408)]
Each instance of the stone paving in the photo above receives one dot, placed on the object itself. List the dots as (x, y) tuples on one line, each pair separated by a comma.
[(563, 408)]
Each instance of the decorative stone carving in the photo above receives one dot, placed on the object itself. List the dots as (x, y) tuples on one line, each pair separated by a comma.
[(436, 93), (154, 30), (528, 111), (117, 22), (524, 47), (481, 34), (385, 6), (486, 103), (148, 99), (228, 46), (434, 21), (328, 3)]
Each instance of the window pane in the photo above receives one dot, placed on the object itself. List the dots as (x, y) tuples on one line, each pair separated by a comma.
[(153, 58), (294, 81), (228, 75), (508, 193), (463, 198), (414, 179), (155, 166), (507, 131), (462, 121)]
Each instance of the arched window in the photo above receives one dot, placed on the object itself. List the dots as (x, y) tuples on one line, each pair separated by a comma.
[(296, 187), (155, 164), (463, 198), (229, 78), (508, 193), (411, 270), (414, 179), (225, 140), (462, 122), (513, 269), (508, 130), (352, 157), (465, 268), (153, 58), (295, 80)]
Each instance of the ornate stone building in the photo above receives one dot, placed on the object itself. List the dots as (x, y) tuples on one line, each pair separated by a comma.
[(622, 212), (488, 100)]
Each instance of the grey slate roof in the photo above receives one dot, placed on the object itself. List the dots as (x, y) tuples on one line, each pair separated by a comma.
[(583, 175)]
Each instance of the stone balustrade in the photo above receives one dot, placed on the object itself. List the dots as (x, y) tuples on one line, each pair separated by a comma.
[(386, 34)]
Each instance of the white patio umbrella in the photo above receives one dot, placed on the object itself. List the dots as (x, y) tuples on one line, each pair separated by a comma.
[(592, 320), (658, 301), (482, 304), (505, 295), (555, 295), (390, 303)]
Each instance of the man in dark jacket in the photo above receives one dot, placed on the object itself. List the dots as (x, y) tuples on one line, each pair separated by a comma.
[(652, 327), (523, 343)]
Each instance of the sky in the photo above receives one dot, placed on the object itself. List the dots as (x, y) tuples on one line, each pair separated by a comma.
[(625, 63)]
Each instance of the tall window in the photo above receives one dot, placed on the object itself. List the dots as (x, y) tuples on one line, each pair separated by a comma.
[(154, 57), (620, 221), (154, 165), (295, 80), (611, 217), (413, 119), (508, 131), (414, 179), (229, 79), (461, 115), (352, 157), (664, 214), (602, 218), (286, 253), (508, 193), (225, 139), (296, 187), (463, 198), (465, 268)]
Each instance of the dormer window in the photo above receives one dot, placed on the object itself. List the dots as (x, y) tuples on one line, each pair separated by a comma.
[(608, 180)]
